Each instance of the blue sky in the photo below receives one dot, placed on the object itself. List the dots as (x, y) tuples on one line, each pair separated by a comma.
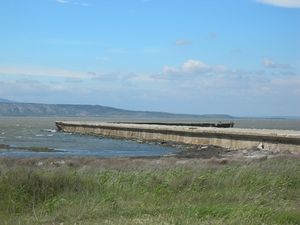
[(239, 57)]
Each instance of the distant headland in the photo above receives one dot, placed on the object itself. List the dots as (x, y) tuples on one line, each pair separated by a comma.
[(11, 108)]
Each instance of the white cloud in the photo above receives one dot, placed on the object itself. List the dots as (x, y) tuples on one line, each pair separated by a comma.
[(192, 66), (289, 81), (41, 72), (269, 63), (282, 3), (169, 70), (183, 42), (204, 78)]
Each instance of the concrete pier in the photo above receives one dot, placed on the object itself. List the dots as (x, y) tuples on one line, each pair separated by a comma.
[(232, 138)]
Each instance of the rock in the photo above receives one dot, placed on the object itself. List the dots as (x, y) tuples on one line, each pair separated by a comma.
[(260, 146), (40, 163)]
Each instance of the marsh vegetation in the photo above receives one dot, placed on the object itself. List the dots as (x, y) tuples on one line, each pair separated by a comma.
[(265, 192)]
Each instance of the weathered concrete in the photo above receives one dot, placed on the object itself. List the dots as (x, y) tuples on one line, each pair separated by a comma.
[(233, 138)]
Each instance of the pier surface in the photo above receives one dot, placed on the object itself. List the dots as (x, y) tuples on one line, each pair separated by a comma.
[(232, 138)]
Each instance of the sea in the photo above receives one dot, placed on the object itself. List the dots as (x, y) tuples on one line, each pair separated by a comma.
[(37, 137)]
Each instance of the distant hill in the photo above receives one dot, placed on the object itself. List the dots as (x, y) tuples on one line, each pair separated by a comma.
[(64, 110)]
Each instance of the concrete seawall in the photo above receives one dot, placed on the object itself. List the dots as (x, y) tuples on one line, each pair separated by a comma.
[(233, 138)]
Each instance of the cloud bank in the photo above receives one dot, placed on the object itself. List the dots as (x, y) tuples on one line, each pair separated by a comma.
[(194, 85), (193, 66), (41, 72), (269, 63)]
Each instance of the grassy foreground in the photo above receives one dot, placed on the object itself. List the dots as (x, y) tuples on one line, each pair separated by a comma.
[(265, 192)]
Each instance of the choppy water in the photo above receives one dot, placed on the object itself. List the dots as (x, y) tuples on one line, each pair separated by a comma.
[(24, 134)]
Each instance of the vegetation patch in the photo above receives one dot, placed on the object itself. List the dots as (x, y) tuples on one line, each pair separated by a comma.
[(256, 193)]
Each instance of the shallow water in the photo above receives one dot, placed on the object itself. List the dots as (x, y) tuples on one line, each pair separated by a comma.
[(21, 134)]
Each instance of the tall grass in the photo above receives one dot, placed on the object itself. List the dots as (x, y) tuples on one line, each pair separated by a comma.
[(258, 193)]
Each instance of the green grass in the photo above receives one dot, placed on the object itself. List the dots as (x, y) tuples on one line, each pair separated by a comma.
[(257, 193)]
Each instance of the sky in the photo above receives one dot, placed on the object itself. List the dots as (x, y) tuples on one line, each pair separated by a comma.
[(237, 57)]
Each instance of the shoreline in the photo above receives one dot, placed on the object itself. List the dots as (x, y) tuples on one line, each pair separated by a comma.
[(189, 156)]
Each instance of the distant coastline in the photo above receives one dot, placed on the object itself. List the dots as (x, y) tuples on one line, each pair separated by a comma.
[(9, 108)]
